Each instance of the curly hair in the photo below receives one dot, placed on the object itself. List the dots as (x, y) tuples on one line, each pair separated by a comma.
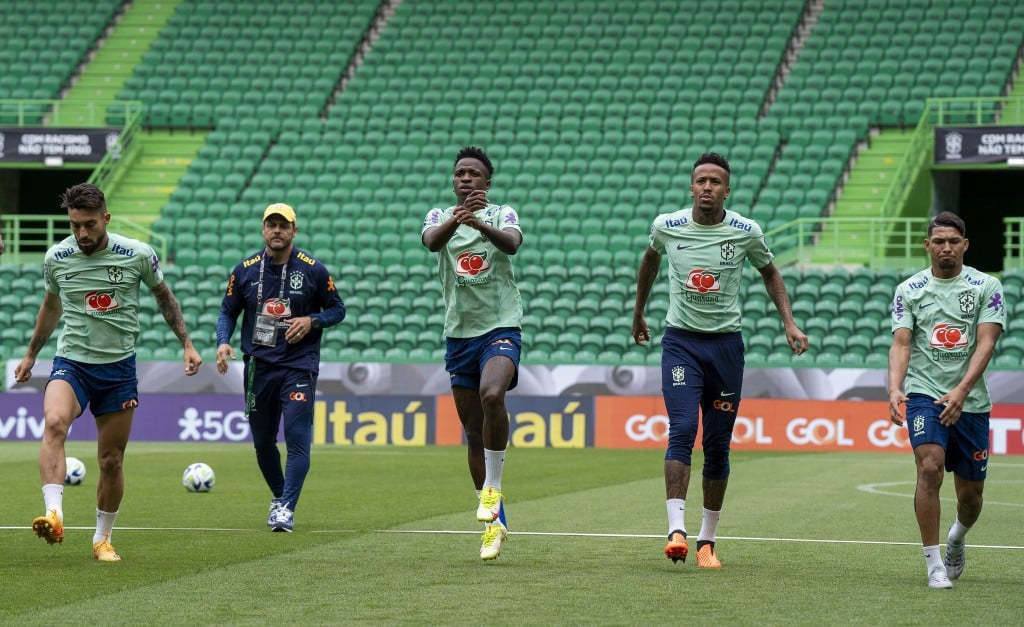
[(713, 158), (473, 152)]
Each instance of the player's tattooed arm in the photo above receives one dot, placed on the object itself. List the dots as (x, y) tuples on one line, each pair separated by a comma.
[(171, 312), (46, 322)]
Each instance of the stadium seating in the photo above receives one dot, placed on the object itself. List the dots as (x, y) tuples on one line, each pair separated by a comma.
[(41, 45), (247, 60), (592, 110)]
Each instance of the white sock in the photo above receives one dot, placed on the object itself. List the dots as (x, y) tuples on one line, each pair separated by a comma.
[(957, 532), (676, 514), (708, 526), (932, 557), (494, 462), (53, 498), (104, 525)]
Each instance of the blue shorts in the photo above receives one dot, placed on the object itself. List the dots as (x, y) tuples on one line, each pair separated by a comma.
[(966, 442), (701, 373), (104, 388), (464, 357)]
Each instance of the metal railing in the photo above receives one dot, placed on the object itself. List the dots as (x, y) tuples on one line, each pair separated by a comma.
[(885, 242), (1013, 243), (28, 237), (944, 112), (72, 114), (115, 163), (888, 242)]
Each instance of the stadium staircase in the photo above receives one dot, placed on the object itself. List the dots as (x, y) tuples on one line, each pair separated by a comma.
[(115, 59), (154, 174), (862, 195)]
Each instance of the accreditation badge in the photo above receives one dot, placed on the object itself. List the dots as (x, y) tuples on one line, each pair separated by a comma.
[(264, 332)]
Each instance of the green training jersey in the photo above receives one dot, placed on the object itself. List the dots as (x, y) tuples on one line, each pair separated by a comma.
[(943, 317), (477, 279), (100, 296), (705, 265)]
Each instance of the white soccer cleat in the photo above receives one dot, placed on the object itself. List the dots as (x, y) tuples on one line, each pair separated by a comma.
[(282, 520), (275, 504), (937, 578), (954, 560)]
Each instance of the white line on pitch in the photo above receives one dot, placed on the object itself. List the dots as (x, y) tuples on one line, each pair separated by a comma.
[(877, 488), (640, 535), (536, 533)]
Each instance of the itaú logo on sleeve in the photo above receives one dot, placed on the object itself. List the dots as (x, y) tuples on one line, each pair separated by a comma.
[(817, 432), (101, 301), (641, 428), (472, 263), (703, 281)]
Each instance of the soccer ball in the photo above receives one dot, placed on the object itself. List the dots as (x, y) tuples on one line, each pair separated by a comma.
[(198, 477), (75, 471)]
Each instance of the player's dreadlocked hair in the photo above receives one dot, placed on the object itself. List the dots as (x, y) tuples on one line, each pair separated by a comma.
[(950, 219), (472, 152), (83, 196), (712, 158)]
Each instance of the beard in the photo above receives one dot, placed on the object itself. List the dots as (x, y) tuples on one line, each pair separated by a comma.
[(88, 249)]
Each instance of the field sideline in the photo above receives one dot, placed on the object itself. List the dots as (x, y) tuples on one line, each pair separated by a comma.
[(387, 535)]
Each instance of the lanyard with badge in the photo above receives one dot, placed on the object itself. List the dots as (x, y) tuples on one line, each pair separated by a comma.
[(264, 332)]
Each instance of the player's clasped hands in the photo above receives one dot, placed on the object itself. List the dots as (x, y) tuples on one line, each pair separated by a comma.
[(475, 201)]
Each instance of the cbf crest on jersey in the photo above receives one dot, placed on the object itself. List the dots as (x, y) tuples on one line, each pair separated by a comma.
[(728, 250), (295, 280), (968, 301), (115, 274)]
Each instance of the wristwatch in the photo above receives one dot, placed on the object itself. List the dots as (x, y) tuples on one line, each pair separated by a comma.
[(315, 322)]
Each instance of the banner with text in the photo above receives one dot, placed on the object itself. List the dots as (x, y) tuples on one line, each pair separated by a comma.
[(791, 425), (534, 422), (978, 144), (55, 146)]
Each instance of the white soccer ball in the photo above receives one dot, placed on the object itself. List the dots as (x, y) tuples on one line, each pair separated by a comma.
[(198, 477), (75, 471)]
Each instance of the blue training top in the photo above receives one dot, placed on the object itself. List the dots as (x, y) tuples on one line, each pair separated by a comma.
[(308, 290)]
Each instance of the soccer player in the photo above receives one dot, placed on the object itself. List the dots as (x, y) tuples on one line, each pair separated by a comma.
[(92, 281), (475, 240), (702, 349), (288, 298), (945, 322)]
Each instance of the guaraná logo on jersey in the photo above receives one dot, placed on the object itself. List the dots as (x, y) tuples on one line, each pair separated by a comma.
[(949, 336), (472, 263), (703, 281), (101, 301), (278, 307)]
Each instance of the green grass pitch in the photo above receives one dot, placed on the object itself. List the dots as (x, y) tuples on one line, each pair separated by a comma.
[(388, 535)]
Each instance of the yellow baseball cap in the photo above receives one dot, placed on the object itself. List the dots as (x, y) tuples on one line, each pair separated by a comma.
[(281, 209)]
